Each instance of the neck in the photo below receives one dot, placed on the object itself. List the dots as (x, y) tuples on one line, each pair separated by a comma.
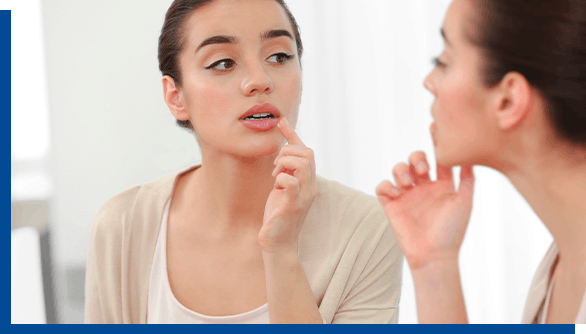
[(231, 190), (554, 185)]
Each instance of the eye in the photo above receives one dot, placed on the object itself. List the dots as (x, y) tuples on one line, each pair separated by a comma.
[(280, 58), (222, 65), (438, 63)]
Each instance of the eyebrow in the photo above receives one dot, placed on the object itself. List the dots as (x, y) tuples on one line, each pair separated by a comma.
[(233, 40), (275, 33), (443, 32), (217, 40)]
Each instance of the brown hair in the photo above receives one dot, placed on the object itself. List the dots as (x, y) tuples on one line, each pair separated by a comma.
[(545, 41), (171, 41)]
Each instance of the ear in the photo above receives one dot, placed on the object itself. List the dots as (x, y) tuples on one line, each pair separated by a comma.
[(173, 98), (513, 102)]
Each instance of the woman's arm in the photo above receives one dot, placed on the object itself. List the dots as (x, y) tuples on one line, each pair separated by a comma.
[(438, 293), (430, 219), (289, 295)]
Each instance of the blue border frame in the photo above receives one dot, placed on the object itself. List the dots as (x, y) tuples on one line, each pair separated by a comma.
[(5, 100)]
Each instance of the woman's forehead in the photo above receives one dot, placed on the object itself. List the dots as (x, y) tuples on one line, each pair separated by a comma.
[(242, 19), (457, 21)]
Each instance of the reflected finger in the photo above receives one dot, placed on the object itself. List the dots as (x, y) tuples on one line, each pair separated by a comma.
[(402, 175), (419, 166), (387, 189)]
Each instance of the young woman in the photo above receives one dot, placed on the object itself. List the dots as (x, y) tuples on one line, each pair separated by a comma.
[(246, 237), (510, 92)]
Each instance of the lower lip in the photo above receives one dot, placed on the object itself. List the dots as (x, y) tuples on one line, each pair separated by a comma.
[(433, 130), (260, 125)]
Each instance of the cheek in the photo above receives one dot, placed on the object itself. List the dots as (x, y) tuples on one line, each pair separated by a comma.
[(462, 129), (291, 87), (207, 101), (456, 105)]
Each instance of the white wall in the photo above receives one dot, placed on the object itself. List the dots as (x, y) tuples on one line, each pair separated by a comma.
[(110, 126), (364, 109)]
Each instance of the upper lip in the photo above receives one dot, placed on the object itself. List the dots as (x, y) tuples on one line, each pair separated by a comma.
[(262, 109)]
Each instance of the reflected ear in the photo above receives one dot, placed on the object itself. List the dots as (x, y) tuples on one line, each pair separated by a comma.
[(513, 100), (173, 98)]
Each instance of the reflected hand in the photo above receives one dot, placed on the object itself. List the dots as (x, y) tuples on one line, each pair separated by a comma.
[(428, 217), (294, 191)]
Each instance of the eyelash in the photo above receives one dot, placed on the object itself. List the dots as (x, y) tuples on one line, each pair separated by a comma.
[(287, 57), (437, 62), (219, 62)]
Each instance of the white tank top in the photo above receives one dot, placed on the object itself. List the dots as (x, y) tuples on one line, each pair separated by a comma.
[(164, 308)]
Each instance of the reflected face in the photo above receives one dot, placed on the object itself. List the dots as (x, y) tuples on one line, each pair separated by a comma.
[(464, 129), (240, 58)]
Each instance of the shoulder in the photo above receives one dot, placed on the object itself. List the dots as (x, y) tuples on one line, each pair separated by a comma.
[(119, 210), (342, 217), (350, 206), (350, 256)]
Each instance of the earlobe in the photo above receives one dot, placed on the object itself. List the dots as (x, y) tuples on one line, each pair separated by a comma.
[(514, 97), (173, 98)]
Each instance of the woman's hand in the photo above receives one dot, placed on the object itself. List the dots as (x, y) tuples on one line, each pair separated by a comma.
[(289, 201), (428, 217)]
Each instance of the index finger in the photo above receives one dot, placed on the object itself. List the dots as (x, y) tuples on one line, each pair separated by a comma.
[(289, 133)]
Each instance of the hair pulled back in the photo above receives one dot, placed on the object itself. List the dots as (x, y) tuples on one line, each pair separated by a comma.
[(172, 39), (545, 41)]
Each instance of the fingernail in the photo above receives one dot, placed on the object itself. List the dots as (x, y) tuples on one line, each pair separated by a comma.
[(286, 121), (422, 167), (396, 192), (275, 162), (274, 170), (407, 179)]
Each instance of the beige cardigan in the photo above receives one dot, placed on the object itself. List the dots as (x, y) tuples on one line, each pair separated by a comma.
[(537, 301), (346, 246)]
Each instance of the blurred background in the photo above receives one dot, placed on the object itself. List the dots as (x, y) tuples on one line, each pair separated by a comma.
[(89, 120)]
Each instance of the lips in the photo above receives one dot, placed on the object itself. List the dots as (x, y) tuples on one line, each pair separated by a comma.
[(261, 109), (263, 117)]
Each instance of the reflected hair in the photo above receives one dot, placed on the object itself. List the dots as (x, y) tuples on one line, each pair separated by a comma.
[(172, 39), (545, 41)]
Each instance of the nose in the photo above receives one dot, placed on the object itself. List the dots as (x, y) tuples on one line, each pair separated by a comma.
[(428, 83), (257, 81)]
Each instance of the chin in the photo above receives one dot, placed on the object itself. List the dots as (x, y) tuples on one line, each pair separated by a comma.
[(451, 158), (260, 149)]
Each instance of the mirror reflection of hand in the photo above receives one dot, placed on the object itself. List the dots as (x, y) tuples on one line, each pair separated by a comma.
[(429, 217), (294, 191)]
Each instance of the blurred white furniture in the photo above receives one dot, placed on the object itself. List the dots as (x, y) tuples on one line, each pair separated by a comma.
[(27, 302)]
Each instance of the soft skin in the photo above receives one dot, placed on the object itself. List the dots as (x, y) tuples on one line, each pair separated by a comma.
[(243, 207), (504, 127)]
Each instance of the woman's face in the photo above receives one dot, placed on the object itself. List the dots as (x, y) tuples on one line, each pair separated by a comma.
[(238, 55), (464, 129)]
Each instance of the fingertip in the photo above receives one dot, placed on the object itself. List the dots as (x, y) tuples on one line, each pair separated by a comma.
[(387, 189)]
